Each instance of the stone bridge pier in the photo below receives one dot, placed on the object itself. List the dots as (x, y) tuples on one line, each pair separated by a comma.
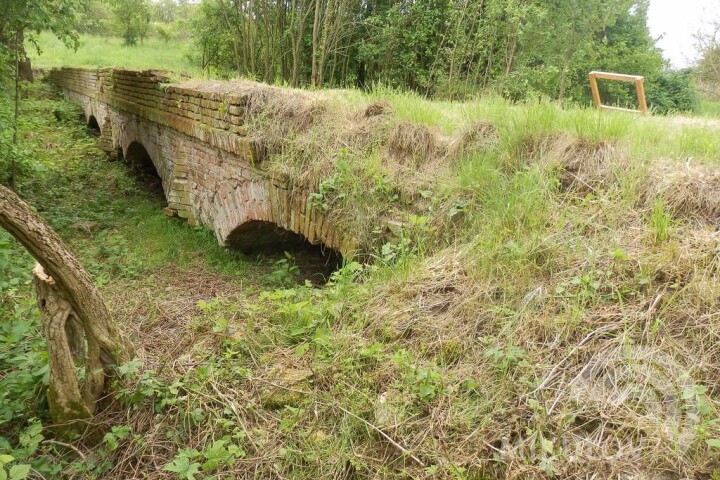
[(192, 134)]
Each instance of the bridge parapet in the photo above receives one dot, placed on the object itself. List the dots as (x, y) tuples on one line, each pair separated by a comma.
[(195, 135)]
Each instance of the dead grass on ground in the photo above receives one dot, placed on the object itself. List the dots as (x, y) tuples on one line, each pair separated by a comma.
[(581, 164), (689, 190), (600, 388)]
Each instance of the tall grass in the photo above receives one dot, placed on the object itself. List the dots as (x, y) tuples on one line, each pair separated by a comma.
[(709, 108), (646, 137)]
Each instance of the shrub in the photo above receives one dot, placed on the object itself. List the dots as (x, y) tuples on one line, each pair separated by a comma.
[(673, 92)]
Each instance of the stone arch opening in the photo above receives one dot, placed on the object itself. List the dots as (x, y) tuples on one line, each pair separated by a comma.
[(315, 263), (142, 166), (93, 125)]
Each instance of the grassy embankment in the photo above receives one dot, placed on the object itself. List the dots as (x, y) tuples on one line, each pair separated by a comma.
[(547, 307)]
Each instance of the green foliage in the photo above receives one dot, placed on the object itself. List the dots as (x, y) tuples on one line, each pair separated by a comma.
[(14, 472), (23, 361), (673, 92), (116, 434), (14, 266), (441, 48), (213, 39), (285, 270), (34, 16), (183, 466), (95, 19), (505, 358), (660, 222), (424, 382), (131, 19)]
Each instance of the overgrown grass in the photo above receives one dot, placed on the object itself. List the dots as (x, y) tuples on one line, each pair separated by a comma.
[(710, 108), (546, 307), (645, 137), (97, 51)]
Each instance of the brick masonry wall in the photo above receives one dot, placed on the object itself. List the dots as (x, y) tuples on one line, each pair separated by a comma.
[(196, 140)]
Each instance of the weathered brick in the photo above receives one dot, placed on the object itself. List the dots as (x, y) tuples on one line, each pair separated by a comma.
[(207, 161)]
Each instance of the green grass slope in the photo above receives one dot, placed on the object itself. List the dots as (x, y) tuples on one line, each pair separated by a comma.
[(540, 301)]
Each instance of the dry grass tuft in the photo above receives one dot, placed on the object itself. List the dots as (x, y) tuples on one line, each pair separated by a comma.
[(378, 108), (688, 190), (477, 136), (602, 395), (439, 308), (581, 164), (160, 317), (413, 144)]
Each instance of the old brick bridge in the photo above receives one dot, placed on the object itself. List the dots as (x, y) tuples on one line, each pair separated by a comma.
[(193, 134)]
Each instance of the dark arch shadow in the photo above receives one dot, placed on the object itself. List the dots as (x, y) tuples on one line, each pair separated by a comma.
[(143, 168), (93, 125), (315, 262)]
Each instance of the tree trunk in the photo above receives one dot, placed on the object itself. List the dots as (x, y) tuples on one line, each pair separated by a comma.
[(315, 38), (26, 73), (13, 161), (71, 307), (61, 329)]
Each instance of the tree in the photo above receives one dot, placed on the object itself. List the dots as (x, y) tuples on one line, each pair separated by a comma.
[(708, 69), (77, 324), (19, 19), (131, 18), (673, 91), (94, 19), (440, 48)]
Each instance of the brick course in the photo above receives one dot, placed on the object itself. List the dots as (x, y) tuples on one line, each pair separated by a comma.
[(198, 144)]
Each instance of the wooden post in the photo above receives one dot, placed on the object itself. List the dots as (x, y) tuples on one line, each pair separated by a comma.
[(595, 91), (638, 80), (640, 89)]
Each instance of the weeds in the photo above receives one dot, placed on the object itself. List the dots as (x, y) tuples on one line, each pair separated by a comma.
[(514, 323)]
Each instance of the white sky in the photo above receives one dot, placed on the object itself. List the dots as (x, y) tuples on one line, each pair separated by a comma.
[(677, 21)]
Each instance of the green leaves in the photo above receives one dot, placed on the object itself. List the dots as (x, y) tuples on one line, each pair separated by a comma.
[(217, 454), (184, 468), (131, 19), (19, 472), (117, 433), (15, 265), (220, 453), (713, 442)]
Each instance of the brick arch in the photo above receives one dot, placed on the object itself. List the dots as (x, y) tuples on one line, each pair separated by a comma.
[(93, 124), (210, 166), (262, 234), (240, 207), (135, 131)]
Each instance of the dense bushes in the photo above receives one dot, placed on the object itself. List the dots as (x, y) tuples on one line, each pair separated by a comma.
[(441, 48), (673, 91)]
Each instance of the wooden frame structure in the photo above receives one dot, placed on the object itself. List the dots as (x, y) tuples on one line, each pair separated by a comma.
[(639, 87)]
